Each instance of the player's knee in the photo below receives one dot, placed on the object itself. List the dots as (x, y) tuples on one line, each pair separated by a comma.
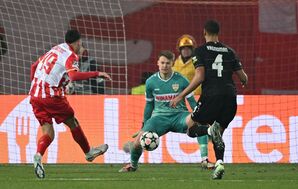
[(52, 136), (76, 122), (47, 129), (192, 131), (197, 130), (136, 143), (72, 122)]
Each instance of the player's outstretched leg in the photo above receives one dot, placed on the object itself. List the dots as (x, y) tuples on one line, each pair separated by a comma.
[(216, 135), (38, 167), (127, 146), (42, 145), (128, 168), (95, 152), (203, 141), (135, 154), (219, 148), (206, 164), (79, 136), (219, 170)]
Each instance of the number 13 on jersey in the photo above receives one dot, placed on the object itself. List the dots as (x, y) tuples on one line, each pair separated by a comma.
[(217, 65)]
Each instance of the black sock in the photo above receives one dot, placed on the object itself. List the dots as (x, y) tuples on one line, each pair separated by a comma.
[(197, 130), (219, 152)]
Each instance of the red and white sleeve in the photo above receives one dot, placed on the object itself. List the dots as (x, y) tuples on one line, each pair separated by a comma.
[(72, 63), (73, 71)]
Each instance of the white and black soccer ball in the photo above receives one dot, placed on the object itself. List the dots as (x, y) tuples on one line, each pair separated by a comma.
[(149, 140)]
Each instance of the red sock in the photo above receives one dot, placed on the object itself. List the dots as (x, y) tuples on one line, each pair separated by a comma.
[(43, 143), (79, 136)]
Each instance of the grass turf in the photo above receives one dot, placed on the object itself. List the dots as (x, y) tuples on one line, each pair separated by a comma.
[(151, 176)]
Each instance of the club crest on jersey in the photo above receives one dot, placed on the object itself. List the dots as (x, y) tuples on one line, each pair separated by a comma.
[(175, 87)]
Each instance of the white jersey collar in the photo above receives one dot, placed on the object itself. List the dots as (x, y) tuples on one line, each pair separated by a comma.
[(165, 80)]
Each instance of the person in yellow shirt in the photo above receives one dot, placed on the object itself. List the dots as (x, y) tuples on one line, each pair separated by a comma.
[(184, 65)]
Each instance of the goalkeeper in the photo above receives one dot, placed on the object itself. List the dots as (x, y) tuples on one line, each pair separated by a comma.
[(159, 117), (184, 65)]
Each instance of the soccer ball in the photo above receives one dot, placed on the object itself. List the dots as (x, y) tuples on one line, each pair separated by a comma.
[(149, 141)]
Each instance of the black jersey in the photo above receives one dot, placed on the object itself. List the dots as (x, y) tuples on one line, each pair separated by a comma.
[(220, 61)]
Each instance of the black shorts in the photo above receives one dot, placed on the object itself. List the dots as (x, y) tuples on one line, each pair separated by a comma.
[(220, 108)]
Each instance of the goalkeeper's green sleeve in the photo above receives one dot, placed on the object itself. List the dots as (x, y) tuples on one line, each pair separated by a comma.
[(148, 110)]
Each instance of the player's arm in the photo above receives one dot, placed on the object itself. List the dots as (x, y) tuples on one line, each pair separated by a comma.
[(148, 110), (147, 114), (190, 97), (198, 78), (77, 75), (149, 102), (191, 101), (195, 82), (242, 77), (149, 106), (238, 69), (73, 71)]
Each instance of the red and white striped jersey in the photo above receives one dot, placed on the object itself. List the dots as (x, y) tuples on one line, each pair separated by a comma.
[(50, 77)]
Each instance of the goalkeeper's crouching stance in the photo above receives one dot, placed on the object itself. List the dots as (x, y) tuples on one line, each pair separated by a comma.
[(159, 117)]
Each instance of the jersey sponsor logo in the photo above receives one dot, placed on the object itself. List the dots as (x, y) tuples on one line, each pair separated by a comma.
[(166, 97), (175, 87), (217, 49), (157, 89)]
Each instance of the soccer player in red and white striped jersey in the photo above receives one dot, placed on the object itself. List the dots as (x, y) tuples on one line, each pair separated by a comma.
[(49, 75)]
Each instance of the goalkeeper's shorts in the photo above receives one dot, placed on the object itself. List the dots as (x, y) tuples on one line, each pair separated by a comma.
[(162, 124)]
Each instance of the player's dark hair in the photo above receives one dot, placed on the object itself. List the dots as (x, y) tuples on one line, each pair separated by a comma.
[(72, 36), (212, 27), (168, 54)]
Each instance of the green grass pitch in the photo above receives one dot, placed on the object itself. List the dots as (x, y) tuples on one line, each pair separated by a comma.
[(151, 176)]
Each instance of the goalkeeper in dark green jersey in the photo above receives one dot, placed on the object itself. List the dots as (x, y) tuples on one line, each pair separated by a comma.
[(159, 117)]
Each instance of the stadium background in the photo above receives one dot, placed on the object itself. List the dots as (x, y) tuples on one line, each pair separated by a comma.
[(125, 37)]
